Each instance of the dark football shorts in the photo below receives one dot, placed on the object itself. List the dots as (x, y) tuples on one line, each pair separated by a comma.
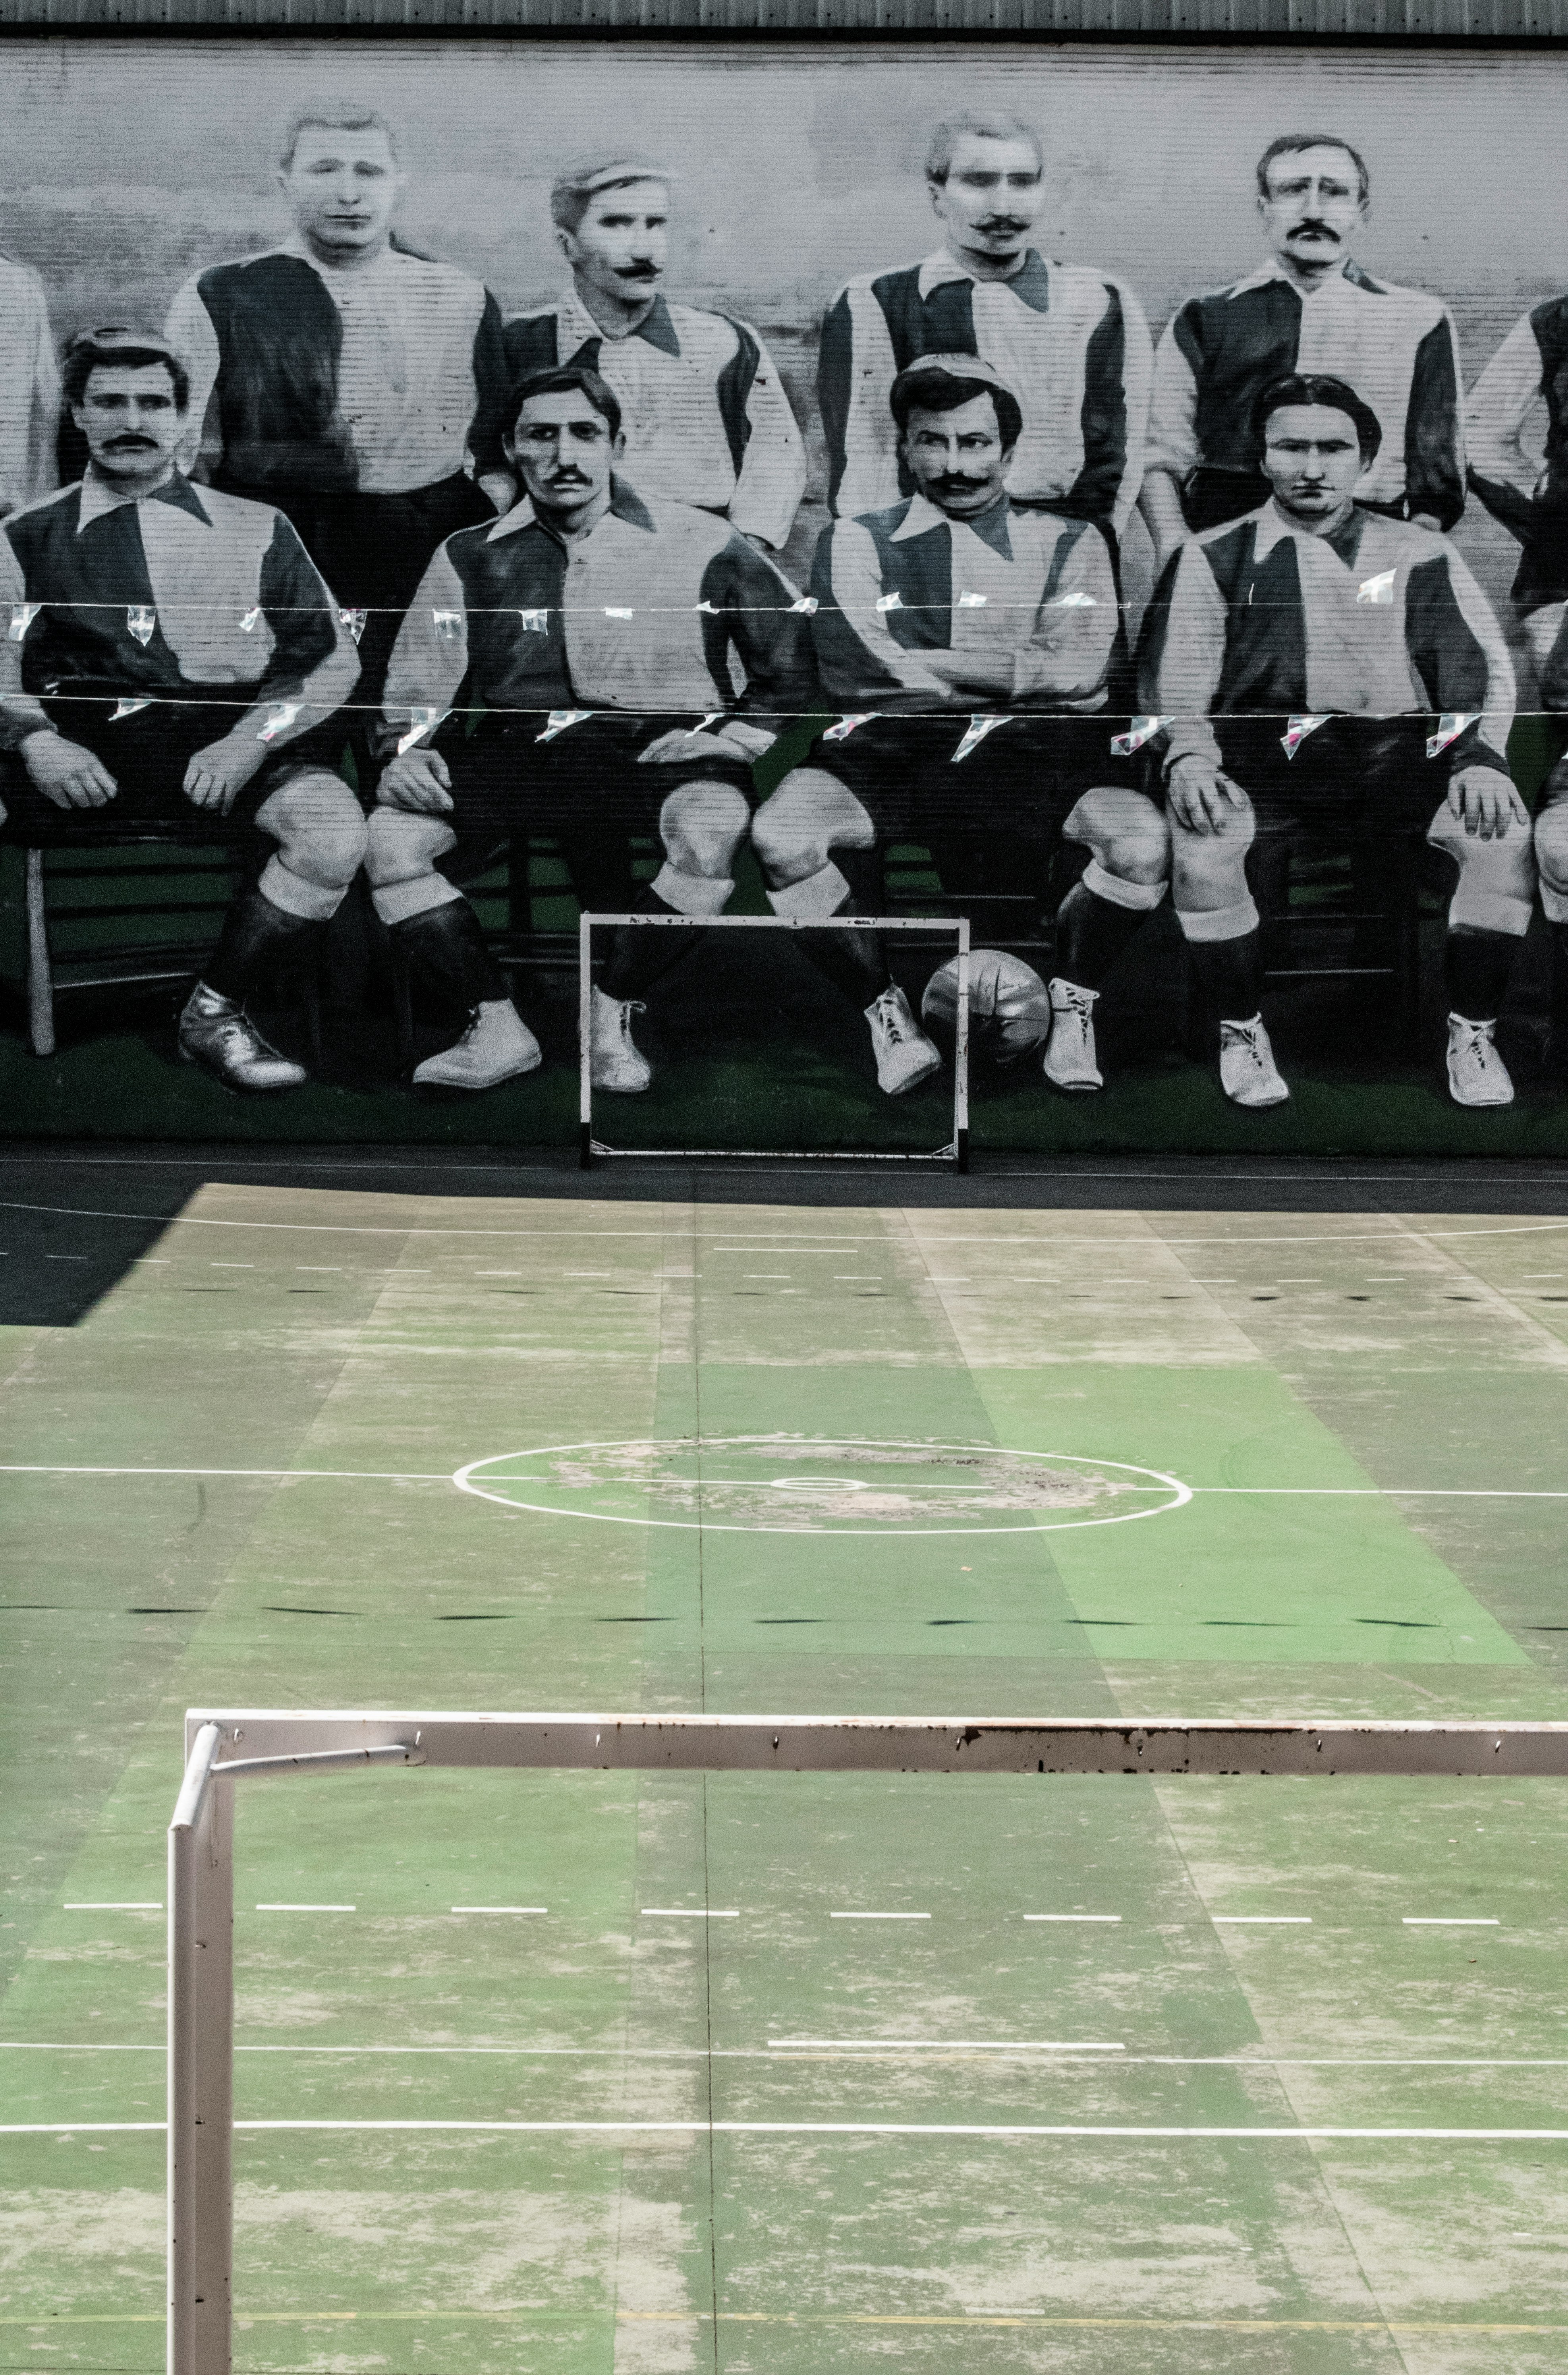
[(1022, 779), (1360, 778), (588, 778), (147, 754)]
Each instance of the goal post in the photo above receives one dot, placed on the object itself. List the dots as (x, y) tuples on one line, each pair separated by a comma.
[(223, 1748), (955, 1152)]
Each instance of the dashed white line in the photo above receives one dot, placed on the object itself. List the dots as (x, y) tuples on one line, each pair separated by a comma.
[(307, 1908), (1452, 1921), (501, 1908), (936, 2045), (690, 1913), (878, 1917), (1268, 1920), (127, 1905), (1072, 1917)]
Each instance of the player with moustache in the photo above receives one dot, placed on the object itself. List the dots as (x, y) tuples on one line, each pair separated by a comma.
[(1326, 670), (1312, 308), (704, 413), (969, 641), (1070, 339), (170, 647), (571, 667)]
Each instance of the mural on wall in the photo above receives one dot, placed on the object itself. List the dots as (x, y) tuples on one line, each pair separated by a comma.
[(1110, 495)]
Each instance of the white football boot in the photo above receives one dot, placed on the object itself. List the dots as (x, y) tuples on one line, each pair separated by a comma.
[(1247, 1070), (221, 1038), (905, 1055), (615, 1060), (497, 1046), (1069, 1060), (1477, 1073)]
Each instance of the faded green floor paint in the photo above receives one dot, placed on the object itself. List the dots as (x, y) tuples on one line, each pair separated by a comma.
[(406, 1337)]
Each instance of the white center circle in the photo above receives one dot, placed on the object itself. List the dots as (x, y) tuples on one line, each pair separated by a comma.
[(862, 1485)]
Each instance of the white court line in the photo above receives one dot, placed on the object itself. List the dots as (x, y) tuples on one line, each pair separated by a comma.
[(307, 1908), (1393, 1234), (1451, 1921), (936, 2045), (760, 2053), (126, 1904), (1072, 1917), (878, 1917), (787, 2128), (350, 1475), (688, 1913), (1277, 1921), (501, 1908)]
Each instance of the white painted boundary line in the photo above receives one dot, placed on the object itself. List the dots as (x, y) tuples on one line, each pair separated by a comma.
[(780, 2128), (935, 2045)]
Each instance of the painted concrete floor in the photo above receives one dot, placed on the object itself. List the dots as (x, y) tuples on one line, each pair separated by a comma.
[(1268, 2076)]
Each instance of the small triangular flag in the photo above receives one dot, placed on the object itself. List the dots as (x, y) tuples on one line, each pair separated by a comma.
[(1296, 732), (975, 732), (281, 713), (420, 722), (1143, 729), (560, 720), (1450, 725), (22, 616), (846, 726), (141, 623)]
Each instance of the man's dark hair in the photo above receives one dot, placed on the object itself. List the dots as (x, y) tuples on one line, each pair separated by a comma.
[(942, 391), (1313, 388), (1290, 144), (114, 349), (569, 379)]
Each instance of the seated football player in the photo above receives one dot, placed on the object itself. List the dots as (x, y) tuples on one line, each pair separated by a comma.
[(1322, 669), (969, 644), (567, 668), (170, 646)]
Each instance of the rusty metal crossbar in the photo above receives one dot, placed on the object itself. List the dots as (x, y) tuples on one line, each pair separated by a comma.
[(224, 1746)]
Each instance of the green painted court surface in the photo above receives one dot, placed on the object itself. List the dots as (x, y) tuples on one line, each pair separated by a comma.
[(781, 2075)]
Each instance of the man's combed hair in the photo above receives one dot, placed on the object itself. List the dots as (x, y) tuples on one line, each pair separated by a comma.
[(115, 350), (333, 115), (1290, 144), (570, 202), (987, 125), (1317, 387), (569, 379), (943, 391)]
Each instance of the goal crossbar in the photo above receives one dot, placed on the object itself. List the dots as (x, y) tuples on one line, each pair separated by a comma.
[(957, 1148), (223, 1747)]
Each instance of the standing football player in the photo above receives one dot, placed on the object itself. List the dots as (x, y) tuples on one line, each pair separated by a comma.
[(705, 416), (1068, 339), (1311, 308)]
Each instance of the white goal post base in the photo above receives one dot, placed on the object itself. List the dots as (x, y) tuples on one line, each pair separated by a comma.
[(957, 1150), (226, 1746)]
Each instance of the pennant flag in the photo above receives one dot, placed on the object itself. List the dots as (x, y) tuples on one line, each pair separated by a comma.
[(618, 614), (710, 611), (420, 722), (1296, 732), (22, 616), (846, 726), (534, 622), (975, 732), (971, 601), (1376, 589), (353, 620), (1144, 729), (704, 723), (448, 624), (141, 623), (129, 708), (560, 720), (249, 622), (1077, 600), (807, 605), (281, 713), (1450, 725), (890, 601)]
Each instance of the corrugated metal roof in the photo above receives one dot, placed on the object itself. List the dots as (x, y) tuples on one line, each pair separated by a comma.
[(718, 19)]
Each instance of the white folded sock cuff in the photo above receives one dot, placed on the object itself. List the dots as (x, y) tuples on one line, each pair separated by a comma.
[(692, 894), (1115, 887), (290, 892), (822, 893), (1554, 902), (1232, 923), (1492, 911), (396, 902)]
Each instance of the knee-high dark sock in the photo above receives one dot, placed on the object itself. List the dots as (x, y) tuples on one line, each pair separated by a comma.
[(1091, 932), (446, 956), (255, 933), (1475, 967), (855, 963), (638, 956), (1230, 973)]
